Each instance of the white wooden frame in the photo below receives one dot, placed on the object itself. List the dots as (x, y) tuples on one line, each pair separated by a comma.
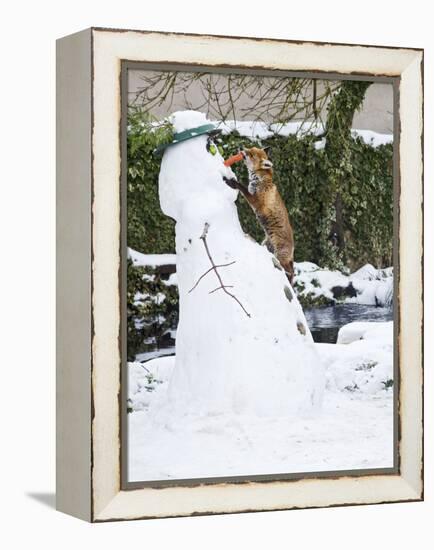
[(88, 360)]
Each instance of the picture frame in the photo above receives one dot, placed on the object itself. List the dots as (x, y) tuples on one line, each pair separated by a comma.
[(90, 250)]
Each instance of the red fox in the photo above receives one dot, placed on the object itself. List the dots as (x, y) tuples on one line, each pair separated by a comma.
[(265, 200)]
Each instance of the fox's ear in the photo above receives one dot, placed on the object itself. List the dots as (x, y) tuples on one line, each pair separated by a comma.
[(267, 150), (266, 164)]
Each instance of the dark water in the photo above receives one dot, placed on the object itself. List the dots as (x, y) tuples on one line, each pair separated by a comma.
[(325, 322)]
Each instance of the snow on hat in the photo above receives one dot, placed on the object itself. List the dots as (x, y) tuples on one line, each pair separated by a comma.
[(188, 125)]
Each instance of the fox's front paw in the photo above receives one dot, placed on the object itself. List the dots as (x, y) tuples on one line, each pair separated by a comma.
[(232, 182), (252, 188)]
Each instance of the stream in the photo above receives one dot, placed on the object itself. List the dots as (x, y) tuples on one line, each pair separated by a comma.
[(324, 324)]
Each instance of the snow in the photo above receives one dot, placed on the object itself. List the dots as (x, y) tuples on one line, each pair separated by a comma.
[(318, 282), (352, 332), (362, 359), (373, 138), (365, 330), (172, 280), (262, 130), (366, 272), (353, 430), (222, 344), (373, 286), (150, 260), (255, 129), (144, 381)]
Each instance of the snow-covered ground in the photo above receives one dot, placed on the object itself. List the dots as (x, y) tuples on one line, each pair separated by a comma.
[(353, 429), (367, 286)]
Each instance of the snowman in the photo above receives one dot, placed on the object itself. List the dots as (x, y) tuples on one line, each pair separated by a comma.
[(243, 346)]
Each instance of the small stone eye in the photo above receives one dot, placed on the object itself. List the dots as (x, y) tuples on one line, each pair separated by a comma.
[(211, 146)]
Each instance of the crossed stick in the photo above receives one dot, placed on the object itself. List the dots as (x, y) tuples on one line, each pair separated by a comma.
[(214, 268)]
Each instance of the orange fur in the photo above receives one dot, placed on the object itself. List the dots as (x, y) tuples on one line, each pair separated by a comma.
[(265, 200)]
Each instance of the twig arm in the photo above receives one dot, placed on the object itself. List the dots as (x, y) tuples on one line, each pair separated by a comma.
[(214, 267)]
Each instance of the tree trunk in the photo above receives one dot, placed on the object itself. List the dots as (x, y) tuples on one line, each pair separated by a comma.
[(341, 110)]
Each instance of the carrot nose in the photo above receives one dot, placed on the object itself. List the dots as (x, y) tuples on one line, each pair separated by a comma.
[(233, 159)]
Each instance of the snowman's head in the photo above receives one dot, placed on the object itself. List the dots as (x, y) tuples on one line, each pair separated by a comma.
[(257, 160), (185, 120), (192, 125), (192, 170)]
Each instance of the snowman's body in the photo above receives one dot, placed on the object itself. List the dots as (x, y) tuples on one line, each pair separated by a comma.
[(227, 361)]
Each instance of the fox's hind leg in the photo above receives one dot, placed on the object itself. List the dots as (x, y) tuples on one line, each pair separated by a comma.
[(290, 272), (268, 244), (288, 266)]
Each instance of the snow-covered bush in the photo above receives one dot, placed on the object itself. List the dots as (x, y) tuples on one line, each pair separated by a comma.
[(149, 230), (316, 286), (152, 306)]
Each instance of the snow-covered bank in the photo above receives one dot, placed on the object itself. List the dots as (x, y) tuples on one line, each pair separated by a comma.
[(367, 286), (313, 285), (362, 361), (353, 430), (150, 260)]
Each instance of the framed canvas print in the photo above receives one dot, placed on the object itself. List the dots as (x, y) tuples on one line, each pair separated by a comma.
[(239, 267)]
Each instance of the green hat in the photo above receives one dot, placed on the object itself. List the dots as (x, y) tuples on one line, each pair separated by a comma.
[(189, 134)]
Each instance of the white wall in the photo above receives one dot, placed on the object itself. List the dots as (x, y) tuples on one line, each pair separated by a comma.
[(375, 114), (377, 110)]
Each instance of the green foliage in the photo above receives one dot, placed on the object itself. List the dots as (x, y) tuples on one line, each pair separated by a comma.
[(302, 174), (367, 197), (387, 384), (353, 180), (315, 283), (152, 308), (148, 228), (310, 299), (341, 109), (366, 365)]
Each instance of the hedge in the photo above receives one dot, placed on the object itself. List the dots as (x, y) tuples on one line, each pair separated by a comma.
[(302, 172)]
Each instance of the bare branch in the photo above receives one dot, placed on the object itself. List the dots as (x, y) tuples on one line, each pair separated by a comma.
[(206, 273), (219, 287), (214, 268), (240, 97)]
